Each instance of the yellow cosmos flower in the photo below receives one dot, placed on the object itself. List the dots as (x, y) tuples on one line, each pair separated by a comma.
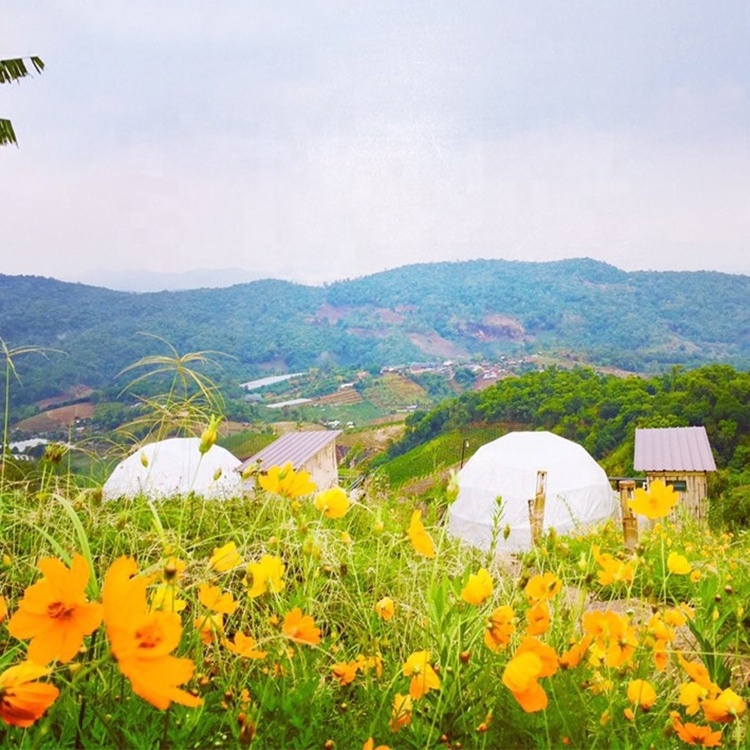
[(543, 587), (500, 626), (657, 502), (693, 734), (345, 671), (333, 503), (678, 564), (285, 481), (612, 570), (164, 597), (22, 699), (244, 646), (691, 695), (301, 628), (266, 575), (641, 693), (210, 627), (55, 613), (532, 661), (423, 676), (400, 712), (724, 708), (420, 539), (538, 619), (225, 558), (213, 598), (478, 588), (385, 608), (142, 641)]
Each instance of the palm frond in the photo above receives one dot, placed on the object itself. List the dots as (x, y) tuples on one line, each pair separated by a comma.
[(15, 68)]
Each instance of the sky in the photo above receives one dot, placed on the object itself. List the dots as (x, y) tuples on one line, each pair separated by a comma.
[(317, 141)]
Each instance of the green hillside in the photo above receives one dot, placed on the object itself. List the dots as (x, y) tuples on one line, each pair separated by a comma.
[(640, 321)]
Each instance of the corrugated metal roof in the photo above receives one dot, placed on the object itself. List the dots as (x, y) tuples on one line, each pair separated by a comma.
[(297, 447), (673, 449)]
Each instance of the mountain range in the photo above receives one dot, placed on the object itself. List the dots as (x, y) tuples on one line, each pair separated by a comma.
[(638, 321)]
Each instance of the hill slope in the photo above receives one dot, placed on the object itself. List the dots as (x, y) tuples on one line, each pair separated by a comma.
[(638, 321)]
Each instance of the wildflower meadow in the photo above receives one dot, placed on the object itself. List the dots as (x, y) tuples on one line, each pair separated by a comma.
[(303, 619)]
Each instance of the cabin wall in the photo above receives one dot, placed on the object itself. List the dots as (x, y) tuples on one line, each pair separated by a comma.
[(323, 468)]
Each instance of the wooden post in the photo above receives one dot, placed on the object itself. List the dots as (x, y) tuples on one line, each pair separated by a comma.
[(629, 521), (536, 508)]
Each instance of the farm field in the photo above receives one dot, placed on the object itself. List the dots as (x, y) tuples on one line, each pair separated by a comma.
[(302, 619)]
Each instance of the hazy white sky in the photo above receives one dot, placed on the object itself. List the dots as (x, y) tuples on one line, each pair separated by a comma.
[(317, 140)]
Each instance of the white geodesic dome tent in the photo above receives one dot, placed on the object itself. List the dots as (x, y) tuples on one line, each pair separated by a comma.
[(175, 467), (578, 491)]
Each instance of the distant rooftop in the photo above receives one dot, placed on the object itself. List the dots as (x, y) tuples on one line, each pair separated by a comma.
[(297, 447), (673, 449)]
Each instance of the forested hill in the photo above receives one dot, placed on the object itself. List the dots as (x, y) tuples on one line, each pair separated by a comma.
[(644, 321)]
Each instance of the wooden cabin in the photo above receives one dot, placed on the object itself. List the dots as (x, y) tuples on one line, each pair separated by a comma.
[(313, 451), (680, 456)]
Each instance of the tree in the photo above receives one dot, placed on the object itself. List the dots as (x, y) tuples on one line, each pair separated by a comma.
[(14, 70)]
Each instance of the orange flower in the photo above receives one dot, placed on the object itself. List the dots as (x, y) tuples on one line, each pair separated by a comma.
[(142, 641), (725, 708), (345, 671), (423, 676), (532, 660), (287, 482), (614, 640), (370, 745), (572, 657), (23, 701), (538, 619), (301, 628), (266, 575), (542, 587), (420, 539), (214, 599), (333, 502), (55, 613), (478, 588), (3, 609), (385, 608), (657, 502), (698, 673), (693, 734), (401, 712), (225, 558), (501, 624), (612, 570), (641, 694), (244, 646)]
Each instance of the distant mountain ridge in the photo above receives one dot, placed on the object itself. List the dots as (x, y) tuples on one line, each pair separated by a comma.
[(639, 321)]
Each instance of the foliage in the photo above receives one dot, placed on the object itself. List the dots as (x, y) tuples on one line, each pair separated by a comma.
[(14, 70), (338, 617), (638, 321), (601, 412)]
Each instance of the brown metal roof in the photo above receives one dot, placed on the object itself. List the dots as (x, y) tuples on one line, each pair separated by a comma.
[(297, 447), (673, 449)]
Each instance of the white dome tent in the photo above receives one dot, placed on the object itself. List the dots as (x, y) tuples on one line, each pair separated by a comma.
[(578, 491), (175, 467)]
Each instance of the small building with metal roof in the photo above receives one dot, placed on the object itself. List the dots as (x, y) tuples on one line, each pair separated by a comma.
[(313, 451), (681, 457)]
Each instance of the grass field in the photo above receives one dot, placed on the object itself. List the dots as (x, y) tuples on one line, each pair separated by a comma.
[(312, 621)]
